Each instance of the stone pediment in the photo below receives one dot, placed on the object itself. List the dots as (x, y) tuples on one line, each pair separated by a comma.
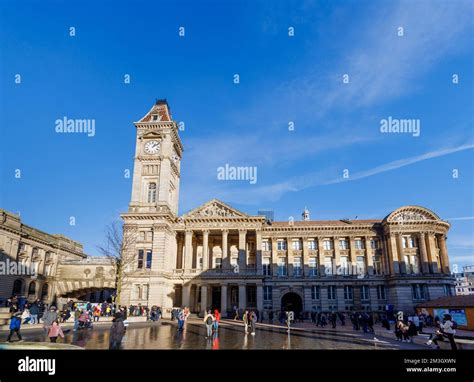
[(411, 214), (214, 209)]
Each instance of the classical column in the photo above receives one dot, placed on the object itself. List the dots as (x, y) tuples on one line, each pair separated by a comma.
[(179, 257), (205, 250), (337, 255), (444, 254), (305, 257), (433, 253), (258, 251), (353, 270), (289, 256), (369, 256), (185, 295), (204, 299), (424, 255), (322, 268), (224, 300), (401, 257), (260, 299), (274, 258), (225, 250), (393, 255), (242, 296), (188, 257), (242, 249)]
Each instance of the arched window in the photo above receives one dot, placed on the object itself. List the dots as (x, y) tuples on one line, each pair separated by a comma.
[(32, 288), (152, 193), (44, 291), (17, 287)]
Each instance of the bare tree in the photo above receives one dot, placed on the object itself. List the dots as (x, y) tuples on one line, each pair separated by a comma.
[(119, 248)]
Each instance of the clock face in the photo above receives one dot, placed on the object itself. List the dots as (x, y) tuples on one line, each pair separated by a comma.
[(175, 158), (152, 147)]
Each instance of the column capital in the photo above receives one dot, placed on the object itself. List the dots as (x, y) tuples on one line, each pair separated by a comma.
[(205, 232), (189, 231), (242, 231), (225, 231)]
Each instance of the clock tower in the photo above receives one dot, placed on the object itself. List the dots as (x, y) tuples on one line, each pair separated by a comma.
[(149, 241), (156, 171)]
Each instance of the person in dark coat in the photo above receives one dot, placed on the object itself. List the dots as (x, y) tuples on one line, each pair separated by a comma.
[(34, 311), (117, 331)]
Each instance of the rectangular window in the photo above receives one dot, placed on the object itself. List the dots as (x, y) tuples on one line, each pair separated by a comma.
[(281, 245), (265, 245), (447, 290), (328, 265), (313, 267), (419, 291), (331, 292), (343, 244), (360, 265), (297, 271), (148, 259), (364, 292), (218, 263), (267, 293), (281, 266), (315, 292), (381, 292), (297, 245), (140, 259), (266, 266), (348, 292), (312, 245), (377, 265), (374, 244), (359, 244), (404, 242), (411, 242), (344, 265), (327, 245)]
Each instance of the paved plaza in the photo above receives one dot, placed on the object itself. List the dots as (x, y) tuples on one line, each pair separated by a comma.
[(230, 336)]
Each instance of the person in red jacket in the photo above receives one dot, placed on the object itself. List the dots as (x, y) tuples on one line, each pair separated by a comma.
[(217, 317)]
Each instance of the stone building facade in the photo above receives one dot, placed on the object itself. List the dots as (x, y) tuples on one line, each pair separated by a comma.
[(217, 256), (35, 264)]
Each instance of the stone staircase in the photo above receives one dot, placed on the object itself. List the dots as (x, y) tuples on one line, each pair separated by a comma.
[(4, 318)]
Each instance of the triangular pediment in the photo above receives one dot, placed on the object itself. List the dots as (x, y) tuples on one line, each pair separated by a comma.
[(215, 209), (151, 134)]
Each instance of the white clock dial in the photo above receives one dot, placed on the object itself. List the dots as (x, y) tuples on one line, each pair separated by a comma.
[(152, 147)]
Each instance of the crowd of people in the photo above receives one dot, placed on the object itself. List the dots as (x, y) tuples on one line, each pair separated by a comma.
[(406, 328)]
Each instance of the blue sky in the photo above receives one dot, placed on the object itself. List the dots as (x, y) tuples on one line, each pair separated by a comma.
[(282, 79)]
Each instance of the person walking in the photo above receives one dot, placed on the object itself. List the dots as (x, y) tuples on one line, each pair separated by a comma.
[(217, 319), (253, 322), (117, 331), (181, 318), (77, 314), (15, 326), (209, 321), (245, 319), (270, 316), (55, 331), (412, 330), (48, 318)]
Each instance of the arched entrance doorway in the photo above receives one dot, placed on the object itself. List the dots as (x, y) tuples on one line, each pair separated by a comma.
[(292, 302)]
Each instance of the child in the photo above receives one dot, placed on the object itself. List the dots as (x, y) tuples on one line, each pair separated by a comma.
[(15, 325), (55, 331)]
